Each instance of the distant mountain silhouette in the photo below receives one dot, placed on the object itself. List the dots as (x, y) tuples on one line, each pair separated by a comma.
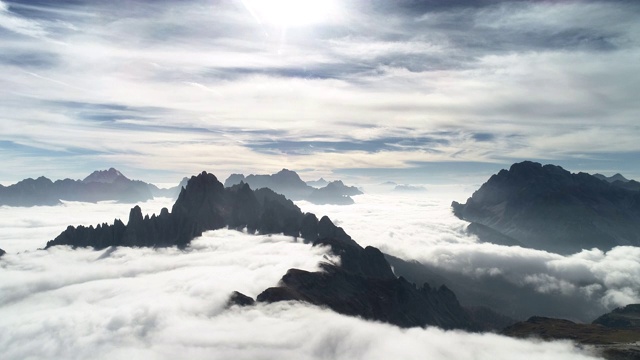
[(100, 185), (2, 252), (105, 176), (318, 183), (409, 188), (614, 178), (289, 184), (362, 284), (549, 208), (620, 181)]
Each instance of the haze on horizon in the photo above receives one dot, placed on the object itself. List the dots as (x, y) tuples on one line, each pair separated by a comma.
[(402, 90)]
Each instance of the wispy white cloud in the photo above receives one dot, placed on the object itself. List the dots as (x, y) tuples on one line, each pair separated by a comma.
[(539, 90)]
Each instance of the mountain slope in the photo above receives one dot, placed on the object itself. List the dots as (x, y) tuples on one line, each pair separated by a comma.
[(549, 208)]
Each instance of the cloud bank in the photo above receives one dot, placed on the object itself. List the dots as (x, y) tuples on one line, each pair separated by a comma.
[(167, 304), (421, 227)]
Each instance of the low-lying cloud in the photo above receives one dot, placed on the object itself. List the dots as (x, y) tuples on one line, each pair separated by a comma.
[(168, 303), (422, 227)]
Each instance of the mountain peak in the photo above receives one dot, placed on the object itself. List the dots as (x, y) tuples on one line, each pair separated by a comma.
[(105, 176)]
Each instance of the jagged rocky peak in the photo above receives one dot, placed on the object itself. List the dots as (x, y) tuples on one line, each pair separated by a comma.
[(549, 208), (105, 176)]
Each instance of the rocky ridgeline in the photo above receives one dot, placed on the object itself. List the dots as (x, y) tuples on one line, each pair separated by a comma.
[(361, 284), (549, 208)]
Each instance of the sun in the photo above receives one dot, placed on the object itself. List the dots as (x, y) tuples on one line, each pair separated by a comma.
[(292, 13)]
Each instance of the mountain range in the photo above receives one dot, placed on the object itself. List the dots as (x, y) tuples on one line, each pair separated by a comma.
[(100, 185), (362, 284), (289, 184), (521, 206), (549, 208)]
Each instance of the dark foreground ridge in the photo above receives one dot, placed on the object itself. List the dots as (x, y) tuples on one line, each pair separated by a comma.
[(615, 335), (549, 208), (362, 284)]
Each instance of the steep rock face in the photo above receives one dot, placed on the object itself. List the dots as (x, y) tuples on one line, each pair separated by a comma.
[(548, 208), (364, 285), (2, 252)]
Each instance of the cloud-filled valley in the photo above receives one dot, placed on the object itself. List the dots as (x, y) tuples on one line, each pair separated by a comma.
[(163, 303), (168, 303), (422, 227)]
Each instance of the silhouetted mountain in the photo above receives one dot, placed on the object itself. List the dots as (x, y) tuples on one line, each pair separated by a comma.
[(288, 183), (100, 185), (336, 192), (620, 181), (318, 183), (362, 284), (30, 192), (613, 343), (2, 252), (105, 176), (614, 178), (549, 208)]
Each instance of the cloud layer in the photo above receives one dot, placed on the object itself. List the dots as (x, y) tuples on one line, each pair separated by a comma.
[(198, 85), (422, 227), (167, 304)]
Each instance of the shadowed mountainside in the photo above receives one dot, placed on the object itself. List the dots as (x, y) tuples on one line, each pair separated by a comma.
[(549, 208), (615, 335), (497, 293)]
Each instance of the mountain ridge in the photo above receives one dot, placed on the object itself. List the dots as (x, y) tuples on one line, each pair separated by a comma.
[(549, 208)]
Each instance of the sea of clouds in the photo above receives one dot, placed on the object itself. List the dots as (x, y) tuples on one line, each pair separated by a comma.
[(120, 303), (421, 226)]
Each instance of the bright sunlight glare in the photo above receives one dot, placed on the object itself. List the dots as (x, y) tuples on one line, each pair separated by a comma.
[(292, 13)]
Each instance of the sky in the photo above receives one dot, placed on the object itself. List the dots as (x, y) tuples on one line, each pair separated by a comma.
[(408, 90), (124, 303)]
